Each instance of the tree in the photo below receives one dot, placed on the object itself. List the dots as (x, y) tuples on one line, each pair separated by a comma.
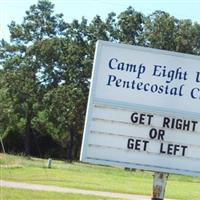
[(5, 109), (196, 42), (65, 108), (163, 31), (45, 69), (66, 104), (130, 26), (46, 57), (186, 37), (28, 62), (160, 31)]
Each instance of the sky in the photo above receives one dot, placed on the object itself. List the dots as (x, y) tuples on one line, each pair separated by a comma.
[(75, 9)]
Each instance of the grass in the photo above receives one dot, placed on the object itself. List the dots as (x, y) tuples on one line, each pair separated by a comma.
[(20, 194), (86, 176)]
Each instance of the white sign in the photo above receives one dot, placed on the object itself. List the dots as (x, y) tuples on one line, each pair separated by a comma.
[(143, 110)]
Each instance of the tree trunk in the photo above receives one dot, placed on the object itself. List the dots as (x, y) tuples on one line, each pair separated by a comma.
[(71, 145), (28, 130), (77, 146)]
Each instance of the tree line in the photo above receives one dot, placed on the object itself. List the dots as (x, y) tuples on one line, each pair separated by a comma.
[(46, 66)]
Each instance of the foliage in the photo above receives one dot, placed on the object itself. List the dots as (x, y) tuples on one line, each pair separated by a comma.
[(46, 67), (163, 31), (160, 30), (68, 100), (130, 26)]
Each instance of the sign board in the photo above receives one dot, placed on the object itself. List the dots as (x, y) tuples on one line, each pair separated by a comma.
[(143, 110)]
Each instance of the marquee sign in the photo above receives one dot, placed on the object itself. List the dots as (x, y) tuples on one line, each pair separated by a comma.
[(143, 110)]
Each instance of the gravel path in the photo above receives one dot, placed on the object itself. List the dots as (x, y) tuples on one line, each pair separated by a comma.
[(30, 186)]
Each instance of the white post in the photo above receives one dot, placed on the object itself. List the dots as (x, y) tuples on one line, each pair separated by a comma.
[(49, 163), (159, 185)]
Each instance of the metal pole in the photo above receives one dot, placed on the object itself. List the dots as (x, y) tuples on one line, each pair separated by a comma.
[(159, 185)]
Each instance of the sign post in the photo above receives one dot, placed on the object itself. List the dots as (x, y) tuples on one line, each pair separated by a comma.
[(159, 185), (143, 111)]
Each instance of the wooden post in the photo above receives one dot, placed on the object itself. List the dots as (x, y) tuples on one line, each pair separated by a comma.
[(159, 184)]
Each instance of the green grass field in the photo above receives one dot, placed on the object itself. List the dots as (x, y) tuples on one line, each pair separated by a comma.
[(19, 194), (93, 177)]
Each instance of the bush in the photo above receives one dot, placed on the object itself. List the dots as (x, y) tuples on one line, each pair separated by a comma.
[(13, 142), (42, 144)]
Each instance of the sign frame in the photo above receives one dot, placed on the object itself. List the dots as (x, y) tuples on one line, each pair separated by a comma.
[(92, 101)]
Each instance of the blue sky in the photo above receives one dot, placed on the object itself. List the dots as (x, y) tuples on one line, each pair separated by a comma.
[(75, 9)]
